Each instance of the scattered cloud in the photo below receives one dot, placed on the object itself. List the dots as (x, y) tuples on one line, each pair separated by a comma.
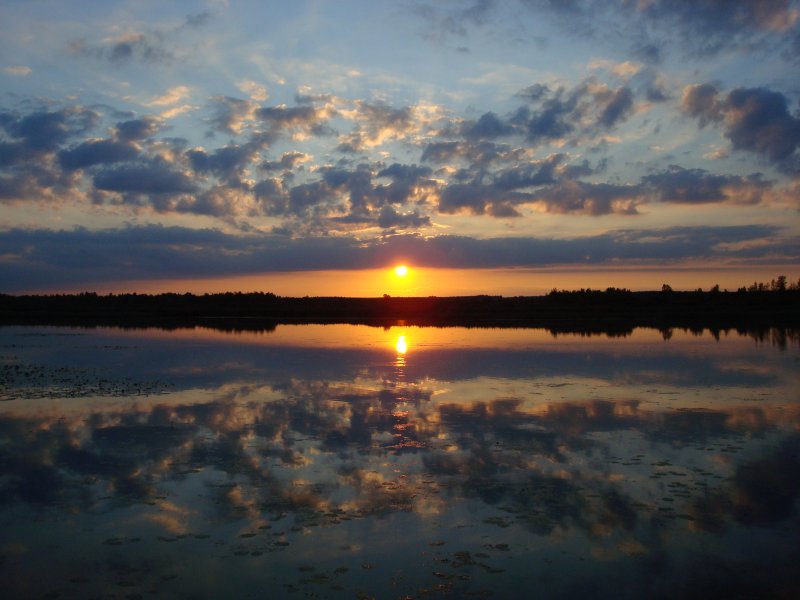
[(152, 47), (254, 90), (17, 71), (172, 96)]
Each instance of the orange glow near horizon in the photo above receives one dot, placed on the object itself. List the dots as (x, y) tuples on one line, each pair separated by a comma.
[(374, 283)]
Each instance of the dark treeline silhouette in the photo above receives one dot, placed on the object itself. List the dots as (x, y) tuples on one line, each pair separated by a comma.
[(614, 310)]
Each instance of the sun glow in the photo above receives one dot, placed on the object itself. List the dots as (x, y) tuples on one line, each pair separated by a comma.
[(401, 270), (401, 345)]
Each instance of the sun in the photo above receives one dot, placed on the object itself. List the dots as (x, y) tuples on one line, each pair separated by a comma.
[(401, 270)]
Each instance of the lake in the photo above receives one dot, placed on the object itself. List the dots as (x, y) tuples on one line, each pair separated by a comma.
[(346, 461)]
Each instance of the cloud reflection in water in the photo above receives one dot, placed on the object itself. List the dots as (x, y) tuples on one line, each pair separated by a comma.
[(560, 464)]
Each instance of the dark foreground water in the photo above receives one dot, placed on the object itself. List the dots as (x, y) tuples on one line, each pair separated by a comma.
[(354, 462)]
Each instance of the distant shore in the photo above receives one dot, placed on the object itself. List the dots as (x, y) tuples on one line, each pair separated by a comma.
[(585, 310)]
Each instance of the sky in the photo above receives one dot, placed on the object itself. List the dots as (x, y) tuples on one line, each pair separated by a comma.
[(308, 147)]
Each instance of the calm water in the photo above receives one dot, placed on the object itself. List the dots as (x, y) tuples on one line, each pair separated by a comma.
[(352, 462)]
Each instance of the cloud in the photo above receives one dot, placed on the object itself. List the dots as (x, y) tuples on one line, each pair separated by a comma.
[(17, 71), (572, 196), (231, 115), (172, 96), (389, 218), (711, 26), (756, 120), (699, 29), (156, 46), (759, 121), (226, 163), (254, 90), (377, 123), (137, 129), (288, 161), (96, 152), (124, 48), (478, 199), (697, 186), (567, 115), (702, 101), (351, 196), (624, 70), (548, 183), (304, 119), (488, 126), (441, 21), (151, 178), (43, 131)]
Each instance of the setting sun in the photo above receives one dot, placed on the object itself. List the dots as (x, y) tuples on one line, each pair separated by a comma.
[(401, 270)]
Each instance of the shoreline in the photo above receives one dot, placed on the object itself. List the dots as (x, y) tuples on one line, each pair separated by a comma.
[(612, 310)]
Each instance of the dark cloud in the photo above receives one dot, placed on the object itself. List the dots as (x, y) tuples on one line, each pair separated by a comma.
[(649, 53), (702, 101), (759, 121), (198, 19), (158, 46), (96, 152), (567, 115), (617, 105), (571, 196), (357, 192), (479, 199), (754, 119), (442, 21), (481, 155), (649, 29), (272, 197), (288, 161), (534, 93), (529, 174), (710, 26), (135, 46), (308, 199), (548, 182), (287, 116), (226, 163), (409, 183), (222, 202), (697, 186), (488, 126), (137, 129), (27, 145), (42, 131), (441, 152), (389, 218), (153, 177)]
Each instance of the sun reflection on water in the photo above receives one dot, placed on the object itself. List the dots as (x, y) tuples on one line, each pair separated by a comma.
[(401, 345)]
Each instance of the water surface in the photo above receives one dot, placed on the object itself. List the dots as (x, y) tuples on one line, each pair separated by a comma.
[(348, 461)]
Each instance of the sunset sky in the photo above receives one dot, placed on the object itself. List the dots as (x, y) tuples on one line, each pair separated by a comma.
[(307, 148)]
